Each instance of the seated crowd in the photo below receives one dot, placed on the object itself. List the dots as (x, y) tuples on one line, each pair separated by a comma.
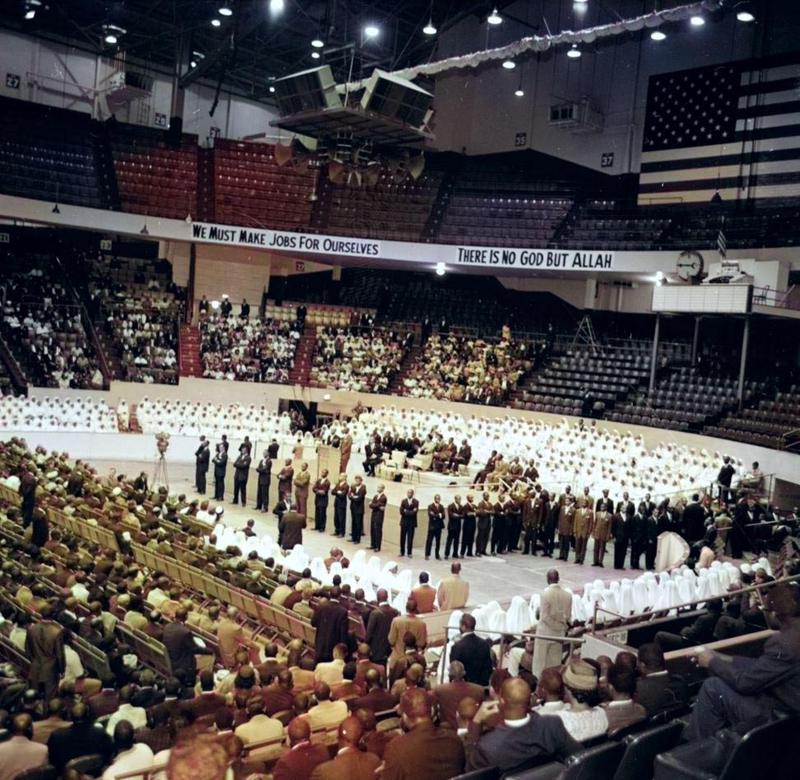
[(42, 327), (462, 368), (357, 359), (238, 348), (358, 699), (21, 413)]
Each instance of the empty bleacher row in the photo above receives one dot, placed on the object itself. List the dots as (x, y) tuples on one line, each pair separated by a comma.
[(609, 224), (393, 210), (252, 189), (153, 177), (771, 423), (48, 154)]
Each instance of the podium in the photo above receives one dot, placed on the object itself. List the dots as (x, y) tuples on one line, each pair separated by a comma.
[(329, 458)]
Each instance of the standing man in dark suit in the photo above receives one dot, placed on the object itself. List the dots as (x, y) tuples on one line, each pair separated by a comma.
[(435, 527), (241, 473), (264, 471), (409, 507), (220, 466), (44, 646), (473, 652), (202, 458), (724, 479), (291, 527), (621, 527), (182, 649), (455, 514), (485, 510), (377, 630), (279, 510), (273, 449), (340, 492), (638, 536), (468, 527), (321, 489), (27, 491), (694, 520), (378, 507), (357, 495), (330, 620)]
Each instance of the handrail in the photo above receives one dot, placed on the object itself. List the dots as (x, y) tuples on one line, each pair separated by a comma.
[(652, 613), (15, 372)]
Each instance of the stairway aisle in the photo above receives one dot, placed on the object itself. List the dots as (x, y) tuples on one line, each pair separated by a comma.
[(396, 384), (190, 362), (302, 359)]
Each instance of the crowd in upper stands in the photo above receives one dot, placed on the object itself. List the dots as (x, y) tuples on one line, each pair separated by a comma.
[(43, 328), (462, 368), (247, 350), (358, 359)]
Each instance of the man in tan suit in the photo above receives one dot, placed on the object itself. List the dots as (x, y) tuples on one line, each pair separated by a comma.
[(350, 763), (424, 594), (453, 591), (44, 646), (555, 611), (229, 633), (582, 527), (406, 623)]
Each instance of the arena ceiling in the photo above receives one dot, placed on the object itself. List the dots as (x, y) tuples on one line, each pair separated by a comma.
[(256, 42)]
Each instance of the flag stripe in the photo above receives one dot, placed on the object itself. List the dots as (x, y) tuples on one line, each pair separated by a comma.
[(768, 99), (748, 158), (728, 194), (742, 182), (789, 109), (721, 171)]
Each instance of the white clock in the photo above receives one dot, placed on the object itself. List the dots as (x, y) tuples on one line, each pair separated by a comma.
[(690, 266)]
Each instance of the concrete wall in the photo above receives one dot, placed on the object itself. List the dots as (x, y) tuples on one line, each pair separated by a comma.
[(476, 108)]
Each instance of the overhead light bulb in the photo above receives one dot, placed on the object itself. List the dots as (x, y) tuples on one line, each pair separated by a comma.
[(276, 6), (30, 14), (745, 16), (494, 17), (192, 64), (574, 52), (440, 269), (430, 28), (315, 55), (697, 21), (271, 88), (110, 38), (519, 92), (657, 35), (371, 31), (509, 64), (225, 10), (580, 2), (318, 43), (216, 23)]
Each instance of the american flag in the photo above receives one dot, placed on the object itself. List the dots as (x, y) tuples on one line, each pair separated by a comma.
[(722, 243), (732, 129)]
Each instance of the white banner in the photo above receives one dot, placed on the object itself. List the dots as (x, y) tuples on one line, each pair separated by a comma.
[(521, 258)]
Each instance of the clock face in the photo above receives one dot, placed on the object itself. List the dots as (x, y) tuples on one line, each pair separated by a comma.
[(689, 265)]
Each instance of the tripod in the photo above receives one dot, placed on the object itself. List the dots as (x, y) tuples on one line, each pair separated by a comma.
[(160, 472)]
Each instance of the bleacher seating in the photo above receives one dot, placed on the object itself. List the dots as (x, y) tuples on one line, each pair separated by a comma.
[(772, 423), (154, 177), (393, 210), (684, 400), (48, 154), (608, 224), (252, 189)]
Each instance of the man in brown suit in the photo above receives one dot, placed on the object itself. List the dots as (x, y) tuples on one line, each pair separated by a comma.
[(566, 520), (291, 527), (44, 646), (601, 530), (532, 516), (424, 594), (453, 591), (424, 750), (406, 623), (582, 525), (377, 698), (303, 758), (285, 477), (346, 448), (447, 696), (350, 763), (229, 632), (378, 626)]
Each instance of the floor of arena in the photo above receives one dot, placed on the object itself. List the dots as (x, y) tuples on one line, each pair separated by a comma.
[(491, 578)]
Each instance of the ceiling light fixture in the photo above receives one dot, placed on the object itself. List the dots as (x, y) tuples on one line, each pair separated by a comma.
[(30, 8), (574, 52), (216, 23), (509, 64), (371, 31), (277, 6), (430, 28), (271, 88), (225, 10), (745, 16), (657, 35), (318, 43), (697, 21), (519, 92), (315, 55), (494, 17), (441, 269), (110, 38)]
